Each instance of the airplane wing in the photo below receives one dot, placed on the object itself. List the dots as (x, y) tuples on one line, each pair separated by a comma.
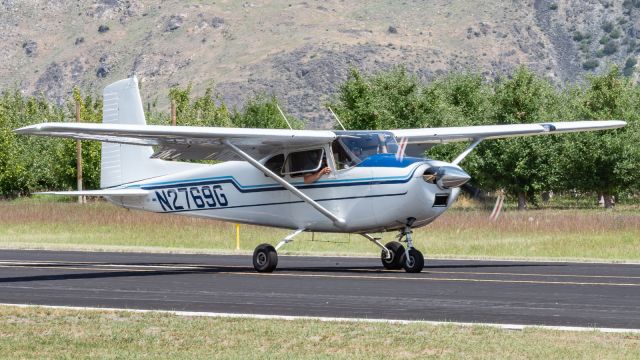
[(187, 142), (472, 133)]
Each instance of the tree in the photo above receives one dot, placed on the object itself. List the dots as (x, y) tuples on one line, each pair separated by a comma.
[(386, 100), (605, 162), (199, 111), (262, 111), (522, 167)]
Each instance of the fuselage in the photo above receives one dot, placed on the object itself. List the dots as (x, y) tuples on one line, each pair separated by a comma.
[(379, 194)]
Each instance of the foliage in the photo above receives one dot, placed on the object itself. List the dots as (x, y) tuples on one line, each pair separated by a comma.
[(610, 159), (604, 162), (200, 111), (262, 112), (29, 164), (522, 167), (590, 64), (386, 100)]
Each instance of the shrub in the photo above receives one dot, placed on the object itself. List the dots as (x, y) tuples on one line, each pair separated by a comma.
[(578, 36), (629, 66), (590, 64), (615, 33), (610, 49)]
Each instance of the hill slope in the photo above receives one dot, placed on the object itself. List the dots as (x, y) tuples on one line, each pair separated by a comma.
[(301, 50)]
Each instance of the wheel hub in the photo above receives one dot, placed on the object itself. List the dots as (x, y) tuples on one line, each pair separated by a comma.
[(261, 259)]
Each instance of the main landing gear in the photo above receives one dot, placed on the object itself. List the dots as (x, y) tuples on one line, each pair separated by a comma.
[(395, 256), (265, 256)]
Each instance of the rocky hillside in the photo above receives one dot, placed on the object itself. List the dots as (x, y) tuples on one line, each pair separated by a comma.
[(301, 50)]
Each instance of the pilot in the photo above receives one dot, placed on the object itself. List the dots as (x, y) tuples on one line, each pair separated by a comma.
[(313, 177)]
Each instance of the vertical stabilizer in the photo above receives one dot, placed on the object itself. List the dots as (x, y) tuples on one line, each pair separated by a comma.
[(122, 164)]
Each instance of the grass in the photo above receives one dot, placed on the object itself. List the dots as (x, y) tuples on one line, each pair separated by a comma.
[(52, 333), (464, 231)]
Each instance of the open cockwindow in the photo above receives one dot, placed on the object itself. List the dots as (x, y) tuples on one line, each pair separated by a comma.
[(302, 162)]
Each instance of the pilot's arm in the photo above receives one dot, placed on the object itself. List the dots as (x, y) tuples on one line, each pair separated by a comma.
[(313, 177)]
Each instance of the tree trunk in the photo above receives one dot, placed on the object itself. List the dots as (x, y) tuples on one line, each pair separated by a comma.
[(546, 197), (522, 201), (609, 201)]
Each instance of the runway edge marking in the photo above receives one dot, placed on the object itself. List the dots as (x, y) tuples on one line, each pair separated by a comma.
[(332, 319)]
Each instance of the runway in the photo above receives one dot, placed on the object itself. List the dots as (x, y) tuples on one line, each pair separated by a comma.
[(505, 292)]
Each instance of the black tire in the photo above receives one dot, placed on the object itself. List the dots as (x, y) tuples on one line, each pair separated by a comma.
[(265, 258), (415, 263), (396, 250)]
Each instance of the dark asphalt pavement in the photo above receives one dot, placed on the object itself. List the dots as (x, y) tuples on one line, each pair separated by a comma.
[(507, 292)]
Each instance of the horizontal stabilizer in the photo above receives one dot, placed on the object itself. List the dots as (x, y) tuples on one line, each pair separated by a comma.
[(106, 192)]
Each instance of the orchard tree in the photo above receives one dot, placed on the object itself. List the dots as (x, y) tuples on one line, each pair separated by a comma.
[(386, 100), (524, 166), (199, 111), (261, 111), (605, 162)]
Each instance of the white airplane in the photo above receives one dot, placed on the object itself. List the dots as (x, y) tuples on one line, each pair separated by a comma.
[(373, 183)]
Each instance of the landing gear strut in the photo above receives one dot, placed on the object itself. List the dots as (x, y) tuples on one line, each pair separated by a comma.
[(265, 256), (411, 260)]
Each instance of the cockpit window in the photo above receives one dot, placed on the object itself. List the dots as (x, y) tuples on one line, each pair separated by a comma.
[(355, 147)]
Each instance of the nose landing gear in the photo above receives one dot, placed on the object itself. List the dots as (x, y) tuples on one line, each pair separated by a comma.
[(411, 260)]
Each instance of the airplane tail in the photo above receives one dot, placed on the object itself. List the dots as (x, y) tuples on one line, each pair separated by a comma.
[(122, 164)]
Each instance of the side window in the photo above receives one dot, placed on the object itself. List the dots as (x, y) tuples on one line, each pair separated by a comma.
[(275, 164), (302, 162)]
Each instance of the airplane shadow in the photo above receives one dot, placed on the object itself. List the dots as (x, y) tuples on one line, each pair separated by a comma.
[(207, 269)]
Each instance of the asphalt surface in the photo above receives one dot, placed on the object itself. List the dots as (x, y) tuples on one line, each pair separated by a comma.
[(518, 292)]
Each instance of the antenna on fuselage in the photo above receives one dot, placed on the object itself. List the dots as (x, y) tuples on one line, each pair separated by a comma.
[(336, 117), (284, 117)]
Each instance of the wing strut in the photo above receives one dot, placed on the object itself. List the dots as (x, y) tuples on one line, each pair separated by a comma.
[(336, 220), (467, 151)]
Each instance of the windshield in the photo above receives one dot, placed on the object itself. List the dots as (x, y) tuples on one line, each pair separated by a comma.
[(356, 147)]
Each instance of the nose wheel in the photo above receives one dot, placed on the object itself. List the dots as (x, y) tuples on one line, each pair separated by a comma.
[(411, 260), (414, 262)]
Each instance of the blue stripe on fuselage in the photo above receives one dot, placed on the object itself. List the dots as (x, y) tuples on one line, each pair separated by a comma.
[(275, 187)]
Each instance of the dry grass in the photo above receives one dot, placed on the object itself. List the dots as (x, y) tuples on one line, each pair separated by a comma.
[(559, 234), (47, 334)]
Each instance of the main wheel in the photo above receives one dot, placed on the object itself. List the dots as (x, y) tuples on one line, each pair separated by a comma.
[(396, 249), (265, 258), (415, 263)]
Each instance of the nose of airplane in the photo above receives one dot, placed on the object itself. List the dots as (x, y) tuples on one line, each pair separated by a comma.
[(446, 176)]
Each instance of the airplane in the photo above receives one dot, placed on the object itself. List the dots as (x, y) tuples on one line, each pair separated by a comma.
[(379, 181)]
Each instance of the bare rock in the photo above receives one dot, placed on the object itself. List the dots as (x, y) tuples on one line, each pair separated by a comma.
[(103, 29), (30, 47), (217, 22), (175, 22), (392, 29), (49, 82), (103, 68)]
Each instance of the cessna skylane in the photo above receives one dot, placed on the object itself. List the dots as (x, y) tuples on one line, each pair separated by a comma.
[(359, 182)]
